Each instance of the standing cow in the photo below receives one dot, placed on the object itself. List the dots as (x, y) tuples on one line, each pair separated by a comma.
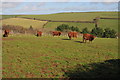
[(39, 33), (56, 33), (72, 34), (6, 33), (87, 36)]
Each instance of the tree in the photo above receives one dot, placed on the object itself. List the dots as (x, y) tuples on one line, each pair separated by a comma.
[(74, 29), (31, 28), (63, 27), (77, 29), (113, 33), (85, 30), (97, 31), (109, 33)]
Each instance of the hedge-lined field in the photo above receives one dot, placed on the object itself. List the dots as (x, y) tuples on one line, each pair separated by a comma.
[(82, 16), (26, 23), (28, 56)]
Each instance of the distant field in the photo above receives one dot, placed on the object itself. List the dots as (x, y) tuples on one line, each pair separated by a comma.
[(26, 23), (8, 16), (113, 24), (83, 16), (28, 56), (53, 25)]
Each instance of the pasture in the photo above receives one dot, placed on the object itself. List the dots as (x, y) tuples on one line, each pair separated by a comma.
[(80, 16), (83, 16), (113, 24), (26, 23), (28, 56)]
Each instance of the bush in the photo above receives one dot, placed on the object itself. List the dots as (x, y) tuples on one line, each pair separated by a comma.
[(66, 28), (63, 27), (97, 31), (109, 33), (85, 30), (31, 28), (74, 29)]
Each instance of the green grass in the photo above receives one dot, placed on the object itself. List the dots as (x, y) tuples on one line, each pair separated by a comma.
[(8, 16), (83, 16), (27, 56), (26, 23), (113, 24)]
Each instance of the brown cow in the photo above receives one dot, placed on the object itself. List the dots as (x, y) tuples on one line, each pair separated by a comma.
[(72, 34), (56, 33), (6, 33), (89, 37), (39, 33)]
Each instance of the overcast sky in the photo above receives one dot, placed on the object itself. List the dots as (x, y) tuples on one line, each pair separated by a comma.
[(48, 7)]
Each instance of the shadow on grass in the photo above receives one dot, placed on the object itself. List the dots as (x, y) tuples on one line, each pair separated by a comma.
[(106, 69), (79, 41), (66, 39)]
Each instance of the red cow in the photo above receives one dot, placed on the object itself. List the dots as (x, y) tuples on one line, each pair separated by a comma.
[(89, 37), (72, 34), (39, 33), (6, 33), (56, 33)]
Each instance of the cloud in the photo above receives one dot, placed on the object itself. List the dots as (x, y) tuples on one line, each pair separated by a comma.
[(54, 7), (59, 0), (13, 0), (10, 4)]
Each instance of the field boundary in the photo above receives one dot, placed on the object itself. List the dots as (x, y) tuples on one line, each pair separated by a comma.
[(58, 21), (108, 18)]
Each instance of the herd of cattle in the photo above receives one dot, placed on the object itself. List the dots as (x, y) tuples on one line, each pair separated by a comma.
[(71, 35)]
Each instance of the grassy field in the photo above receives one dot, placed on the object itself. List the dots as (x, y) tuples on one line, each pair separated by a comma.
[(8, 16), (113, 24), (83, 16), (26, 23), (28, 56), (88, 16)]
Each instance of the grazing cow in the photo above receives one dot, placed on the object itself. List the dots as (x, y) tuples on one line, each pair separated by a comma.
[(56, 33), (39, 33), (6, 33), (89, 37), (72, 34)]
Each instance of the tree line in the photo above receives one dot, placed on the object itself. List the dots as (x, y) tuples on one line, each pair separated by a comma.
[(96, 31)]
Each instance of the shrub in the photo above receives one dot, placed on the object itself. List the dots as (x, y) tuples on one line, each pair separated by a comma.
[(63, 27), (97, 31), (74, 29), (109, 33), (66, 28), (85, 30), (31, 28)]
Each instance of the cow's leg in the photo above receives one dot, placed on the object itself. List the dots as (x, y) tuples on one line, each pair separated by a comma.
[(83, 40), (37, 35), (70, 37)]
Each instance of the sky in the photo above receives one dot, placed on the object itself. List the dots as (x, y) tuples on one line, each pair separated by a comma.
[(56, 6)]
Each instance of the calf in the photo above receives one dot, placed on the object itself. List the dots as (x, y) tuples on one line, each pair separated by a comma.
[(56, 33), (87, 36), (6, 33), (39, 33), (72, 34)]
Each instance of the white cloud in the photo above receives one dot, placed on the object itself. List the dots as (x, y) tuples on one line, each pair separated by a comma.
[(60, 0), (10, 4)]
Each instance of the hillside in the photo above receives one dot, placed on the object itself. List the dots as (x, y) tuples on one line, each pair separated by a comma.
[(81, 16), (28, 56), (26, 23), (77, 16)]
